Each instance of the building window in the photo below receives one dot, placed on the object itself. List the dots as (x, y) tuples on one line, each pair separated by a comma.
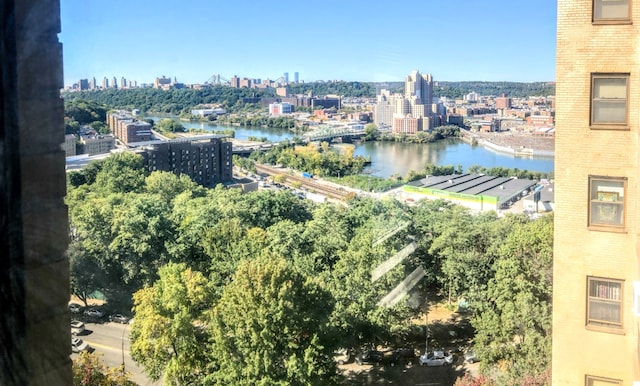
[(591, 380), (609, 100), (606, 202), (611, 11), (604, 305)]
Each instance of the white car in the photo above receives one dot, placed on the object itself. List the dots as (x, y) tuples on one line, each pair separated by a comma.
[(436, 358), (77, 327), (79, 345)]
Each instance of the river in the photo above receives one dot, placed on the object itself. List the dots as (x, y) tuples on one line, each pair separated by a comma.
[(389, 158)]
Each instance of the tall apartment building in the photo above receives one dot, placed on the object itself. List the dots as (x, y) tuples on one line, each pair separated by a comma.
[(398, 110), (127, 128), (596, 315), (105, 83), (207, 162)]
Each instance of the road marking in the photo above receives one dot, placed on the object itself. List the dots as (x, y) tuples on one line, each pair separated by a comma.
[(105, 347)]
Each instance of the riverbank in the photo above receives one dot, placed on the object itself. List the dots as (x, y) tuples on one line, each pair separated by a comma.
[(516, 144)]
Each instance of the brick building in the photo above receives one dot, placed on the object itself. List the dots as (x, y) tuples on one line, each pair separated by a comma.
[(127, 128), (97, 144), (207, 162), (596, 245)]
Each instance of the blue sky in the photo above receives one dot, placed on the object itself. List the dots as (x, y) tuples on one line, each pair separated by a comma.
[(349, 40)]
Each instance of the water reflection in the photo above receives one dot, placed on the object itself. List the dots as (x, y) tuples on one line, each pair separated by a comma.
[(390, 158)]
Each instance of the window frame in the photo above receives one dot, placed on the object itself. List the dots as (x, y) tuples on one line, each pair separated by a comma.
[(617, 20), (592, 100), (591, 200), (601, 325), (589, 380)]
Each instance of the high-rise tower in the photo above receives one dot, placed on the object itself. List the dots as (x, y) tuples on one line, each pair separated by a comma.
[(420, 87)]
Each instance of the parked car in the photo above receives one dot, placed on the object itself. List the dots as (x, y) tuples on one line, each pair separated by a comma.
[(77, 327), (119, 318), (94, 313), (471, 357), (369, 357), (79, 345), (400, 355), (342, 356), (436, 358), (75, 308)]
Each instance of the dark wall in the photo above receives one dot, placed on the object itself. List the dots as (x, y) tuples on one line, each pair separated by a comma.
[(34, 270)]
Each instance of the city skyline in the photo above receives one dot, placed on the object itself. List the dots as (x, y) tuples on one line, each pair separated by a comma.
[(454, 41)]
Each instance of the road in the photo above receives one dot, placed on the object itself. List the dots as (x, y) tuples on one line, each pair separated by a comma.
[(111, 344)]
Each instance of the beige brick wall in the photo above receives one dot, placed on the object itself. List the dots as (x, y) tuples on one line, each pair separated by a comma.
[(582, 49)]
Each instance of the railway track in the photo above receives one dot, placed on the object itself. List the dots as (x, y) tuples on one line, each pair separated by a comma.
[(308, 183)]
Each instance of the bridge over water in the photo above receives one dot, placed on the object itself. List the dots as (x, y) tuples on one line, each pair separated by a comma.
[(324, 133)]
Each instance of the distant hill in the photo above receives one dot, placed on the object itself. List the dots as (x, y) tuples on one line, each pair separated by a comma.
[(455, 90)]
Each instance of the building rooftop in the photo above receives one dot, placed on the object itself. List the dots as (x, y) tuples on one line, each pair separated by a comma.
[(505, 188), (193, 138)]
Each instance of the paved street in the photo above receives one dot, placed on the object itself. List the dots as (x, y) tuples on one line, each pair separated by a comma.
[(111, 344)]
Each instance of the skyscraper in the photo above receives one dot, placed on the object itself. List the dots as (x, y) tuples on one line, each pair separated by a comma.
[(105, 83), (596, 267), (410, 112), (296, 77), (286, 77), (419, 86)]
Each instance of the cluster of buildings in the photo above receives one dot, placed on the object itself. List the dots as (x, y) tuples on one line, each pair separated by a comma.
[(92, 84), (124, 83), (244, 82), (206, 159), (412, 111)]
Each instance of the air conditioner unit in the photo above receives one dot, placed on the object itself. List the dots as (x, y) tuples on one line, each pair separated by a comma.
[(636, 298)]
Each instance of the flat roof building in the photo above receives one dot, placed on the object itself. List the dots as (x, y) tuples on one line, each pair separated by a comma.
[(475, 191)]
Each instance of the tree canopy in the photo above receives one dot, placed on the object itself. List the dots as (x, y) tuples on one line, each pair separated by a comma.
[(219, 271)]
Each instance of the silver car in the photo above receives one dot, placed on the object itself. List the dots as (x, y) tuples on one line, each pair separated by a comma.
[(436, 358)]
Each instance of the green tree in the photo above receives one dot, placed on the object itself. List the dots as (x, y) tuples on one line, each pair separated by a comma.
[(87, 370), (167, 185), (270, 328), (121, 172), (141, 232), (169, 336), (514, 323), (86, 272)]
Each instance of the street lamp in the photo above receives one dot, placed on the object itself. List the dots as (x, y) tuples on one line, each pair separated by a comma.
[(124, 329), (426, 326)]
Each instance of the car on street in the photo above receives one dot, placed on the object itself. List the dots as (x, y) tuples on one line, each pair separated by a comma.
[(119, 318), (342, 356), (401, 355), (471, 357), (369, 357), (79, 345), (94, 313), (75, 308), (436, 358), (77, 327)]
